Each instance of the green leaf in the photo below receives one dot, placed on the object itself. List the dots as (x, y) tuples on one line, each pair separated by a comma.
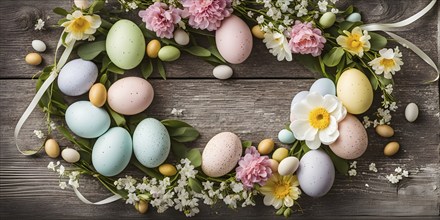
[(60, 11), (246, 144), (198, 51), (105, 62), (173, 123), (216, 53), (147, 68), (184, 134), (106, 24), (114, 69), (161, 69), (377, 41), (179, 150), (349, 10), (340, 164), (384, 81), (333, 57), (195, 185), (348, 25), (374, 82), (195, 157), (310, 62), (62, 20), (96, 6), (118, 118), (89, 51)]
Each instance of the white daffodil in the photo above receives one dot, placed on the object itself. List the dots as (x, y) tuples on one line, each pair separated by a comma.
[(355, 42), (388, 63), (79, 26), (278, 45), (315, 119)]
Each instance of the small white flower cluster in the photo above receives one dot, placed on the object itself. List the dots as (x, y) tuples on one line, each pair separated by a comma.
[(232, 194), (62, 172), (397, 176), (129, 4), (352, 171), (372, 167), (39, 25), (383, 113), (177, 112), (39, 134)]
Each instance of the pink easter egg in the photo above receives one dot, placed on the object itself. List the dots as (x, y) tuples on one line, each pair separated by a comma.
[(352, 141)]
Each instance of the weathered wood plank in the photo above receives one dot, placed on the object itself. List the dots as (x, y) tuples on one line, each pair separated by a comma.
[(253, 112)]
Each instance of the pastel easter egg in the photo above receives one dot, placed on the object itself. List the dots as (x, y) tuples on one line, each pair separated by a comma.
[(181, 37), (280, 153), (52, 148), (411, 112), (266, 146), (288, 166), (77, 76), (167, 169), (86, 120), (353, 139), (286, 136), (125, 44), (39, 45), (257, 32), (234, 40), (33, 59), (153, 48), (169, 53), (354, 17), (130, 95), (327, 20), (98, 95), (384, 131), (112, 151), (316, 173), (151, 142), (222, 72), (70, 155), (391, 148), (221, 154), (355, 91), (274, 165), (323, 86)]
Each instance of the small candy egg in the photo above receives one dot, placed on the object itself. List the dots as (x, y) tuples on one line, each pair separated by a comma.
[(280, 154), (181, 37), (222, 72), (411, 112), (70, 155), (323, 86), (33, 59), (288, 166), (385, 131), (257, 32), (98, 95), (82, 4), (52, 148), (153, 48), (142, 206), (167, 169), (354, 17), (286, 136), (327, 20), (266, 146), (169, 53), (273, 165), (39, 45), (391, 149)]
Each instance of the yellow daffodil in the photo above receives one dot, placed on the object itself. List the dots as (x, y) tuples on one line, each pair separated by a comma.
[(355, 42), (79, 26), (388, 63), (280, 190)]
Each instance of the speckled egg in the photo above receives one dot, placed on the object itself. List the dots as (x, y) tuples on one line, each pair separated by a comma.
[(316, 173), (77, 76), (234, 40), (125, 44), (353, 139), (86, 120), (130, 95), (355, 91), (323, 86), (112, 151), (221, 154), (151, 142)]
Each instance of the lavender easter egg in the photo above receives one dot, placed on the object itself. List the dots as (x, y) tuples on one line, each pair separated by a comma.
[(234, 40), (353, 139), (77, 76), (221, 154)]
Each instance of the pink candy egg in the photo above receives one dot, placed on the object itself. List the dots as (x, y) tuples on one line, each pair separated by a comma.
[(353, 139)]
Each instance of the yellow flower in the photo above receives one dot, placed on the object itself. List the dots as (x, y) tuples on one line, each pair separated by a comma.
[(355, 42), (388, 63), (280, 190), (79, 26)]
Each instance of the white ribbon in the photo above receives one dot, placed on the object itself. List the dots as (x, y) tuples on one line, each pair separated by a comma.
[(397, 27), (102, 202)]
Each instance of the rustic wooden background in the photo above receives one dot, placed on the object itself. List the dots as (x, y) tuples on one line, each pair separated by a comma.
[(254, 104)]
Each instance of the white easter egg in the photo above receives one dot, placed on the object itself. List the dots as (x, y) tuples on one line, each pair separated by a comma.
[(222, 72), (70, 155), (288, 166), (181, 37), (39, 45), (411, 112)]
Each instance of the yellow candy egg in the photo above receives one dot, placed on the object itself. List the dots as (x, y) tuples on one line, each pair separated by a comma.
[(33, 59), (52, 148), (153, 48), (257, 32), (167, 169), (98, 95), (266, 146), (385, 131), (142, 206), (391, 149), (280, 154), (355, 91)]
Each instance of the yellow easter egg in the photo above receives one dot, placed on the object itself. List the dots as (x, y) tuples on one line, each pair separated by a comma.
[(167, 169), (98, 95), (257, 32), (52, 148), (266, 146), (355, 91), (153, 48), (280, 154), (33, 59)]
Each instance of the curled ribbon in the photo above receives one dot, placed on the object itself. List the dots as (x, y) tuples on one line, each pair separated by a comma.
[(387, 27), (102, 202)]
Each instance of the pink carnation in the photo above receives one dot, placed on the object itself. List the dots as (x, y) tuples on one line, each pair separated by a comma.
[(306, 40), (207, 14), (160, 19), (253, 168)]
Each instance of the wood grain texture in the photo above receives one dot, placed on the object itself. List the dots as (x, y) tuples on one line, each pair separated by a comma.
[(253, 107)]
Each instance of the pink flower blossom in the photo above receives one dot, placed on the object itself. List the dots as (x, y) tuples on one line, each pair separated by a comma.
[(160, 19), (207, 14), (253, 168), (305, 39)]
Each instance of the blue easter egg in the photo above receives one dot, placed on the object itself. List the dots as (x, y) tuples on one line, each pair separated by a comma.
[(286, 136), (354, 17), (86, 120), (323, 86)]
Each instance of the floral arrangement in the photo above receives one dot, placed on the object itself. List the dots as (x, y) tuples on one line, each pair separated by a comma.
[(328, 40)]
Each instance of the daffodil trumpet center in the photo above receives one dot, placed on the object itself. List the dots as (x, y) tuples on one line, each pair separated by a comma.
[(79, 25), (319, 118), (281, 190), (387, 63)]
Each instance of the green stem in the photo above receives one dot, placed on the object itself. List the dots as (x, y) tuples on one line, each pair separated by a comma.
[(146, 170)]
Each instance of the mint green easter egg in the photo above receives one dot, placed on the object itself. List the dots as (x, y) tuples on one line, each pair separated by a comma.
[(327, 19), (169, 53), (125, 44)]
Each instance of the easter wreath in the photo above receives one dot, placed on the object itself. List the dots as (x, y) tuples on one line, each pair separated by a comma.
[(108, 128)]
